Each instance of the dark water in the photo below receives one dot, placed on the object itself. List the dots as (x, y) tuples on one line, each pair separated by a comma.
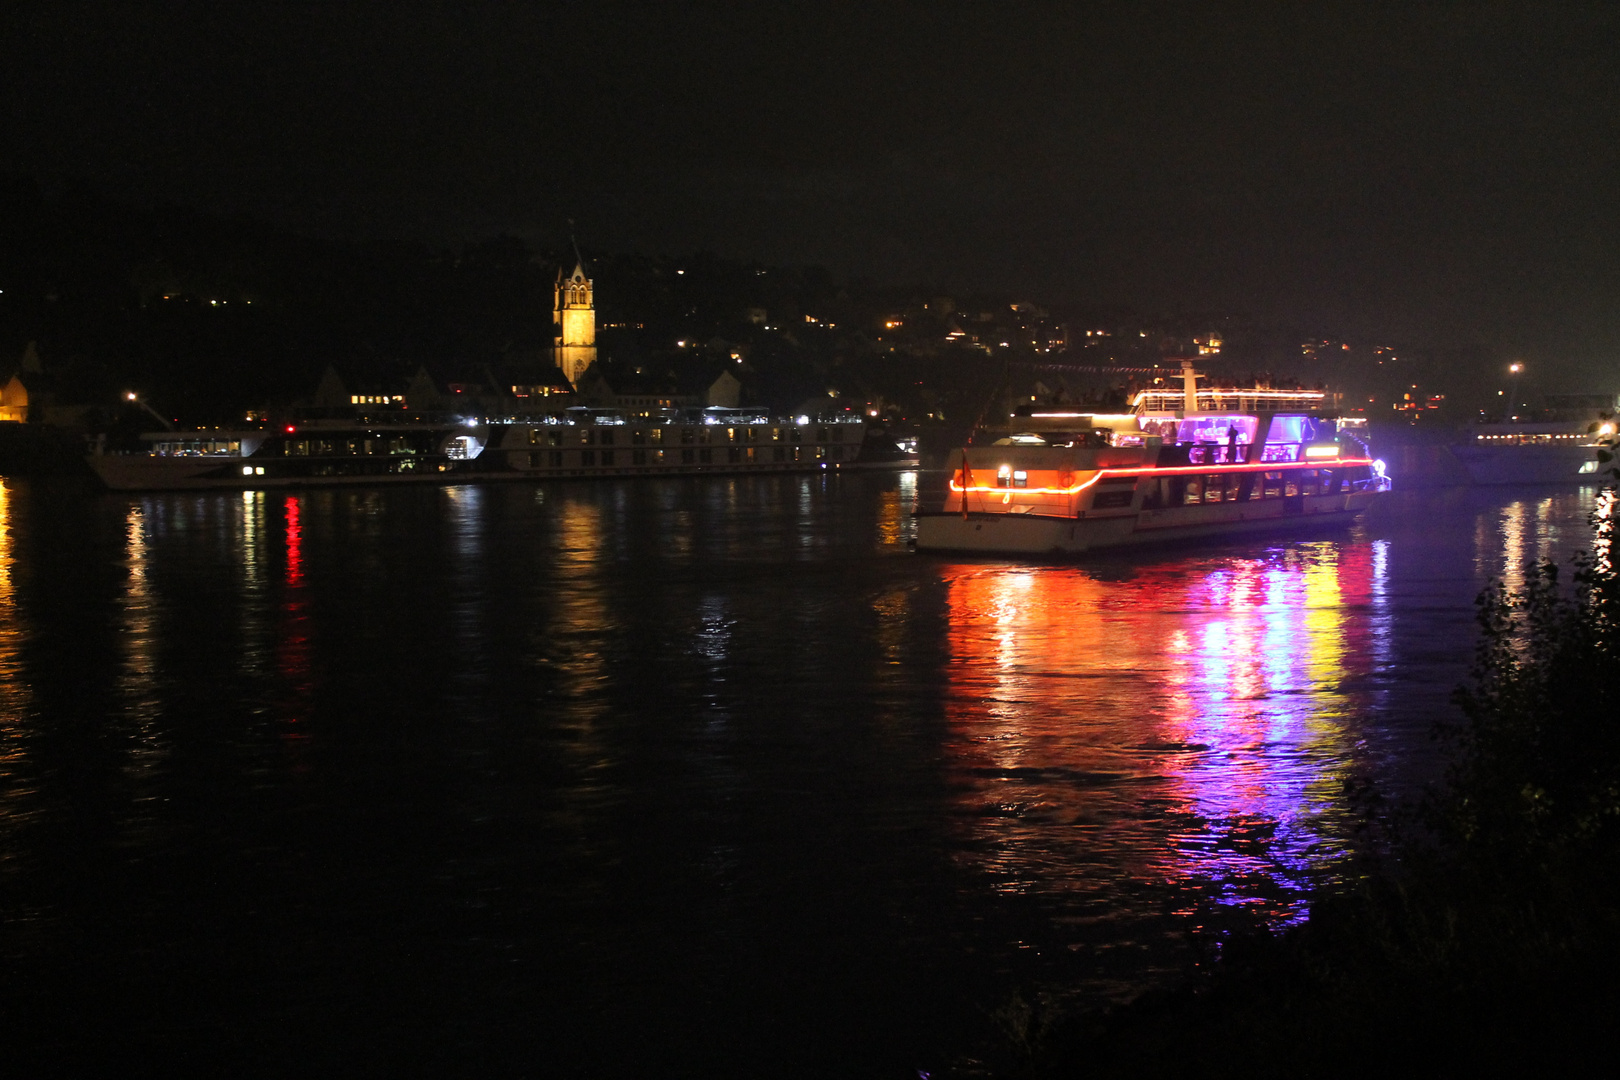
[(667, 778)]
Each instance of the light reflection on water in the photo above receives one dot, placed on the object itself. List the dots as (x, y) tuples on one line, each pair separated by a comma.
[(690, 726), (140, 623), (16, 699), (1213, 693)]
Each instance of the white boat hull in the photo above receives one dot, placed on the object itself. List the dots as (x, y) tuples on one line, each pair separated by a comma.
[(1528, 464), (1031, 534)]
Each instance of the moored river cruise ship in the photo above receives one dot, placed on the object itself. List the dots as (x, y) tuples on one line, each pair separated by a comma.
[(579, 443), (1195, 463)]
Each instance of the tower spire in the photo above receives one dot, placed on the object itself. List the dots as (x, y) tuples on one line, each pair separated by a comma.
[(579, 260), (574, 313)]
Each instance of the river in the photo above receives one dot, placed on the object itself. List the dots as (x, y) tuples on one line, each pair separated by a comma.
[(673, 777)]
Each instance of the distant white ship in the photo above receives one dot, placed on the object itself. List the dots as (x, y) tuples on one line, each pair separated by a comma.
[(578, 443), (1561, 450)]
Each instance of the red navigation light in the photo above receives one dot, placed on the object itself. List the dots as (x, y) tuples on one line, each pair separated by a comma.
[(290, 429)]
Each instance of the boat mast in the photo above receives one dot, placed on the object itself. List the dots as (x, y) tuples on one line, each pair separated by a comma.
[(1189, 387)]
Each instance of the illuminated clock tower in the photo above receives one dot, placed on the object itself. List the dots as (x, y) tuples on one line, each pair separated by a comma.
[(574, 311)]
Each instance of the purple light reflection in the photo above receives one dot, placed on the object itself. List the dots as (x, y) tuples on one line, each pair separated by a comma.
[(1189, 728)]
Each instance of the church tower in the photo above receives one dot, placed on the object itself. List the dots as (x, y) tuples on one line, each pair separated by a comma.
[(574, 310)]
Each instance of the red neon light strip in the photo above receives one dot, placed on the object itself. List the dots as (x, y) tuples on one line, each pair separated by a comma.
[(1170, 470)]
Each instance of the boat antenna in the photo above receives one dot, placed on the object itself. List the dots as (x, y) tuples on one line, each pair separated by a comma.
[(994, 396)]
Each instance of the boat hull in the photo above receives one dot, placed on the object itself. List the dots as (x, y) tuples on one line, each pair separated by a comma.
[(1529, 464), (1038, 535), (141, 472)]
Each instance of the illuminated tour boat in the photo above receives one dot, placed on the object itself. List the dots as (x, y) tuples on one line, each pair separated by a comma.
[(1191, 463)]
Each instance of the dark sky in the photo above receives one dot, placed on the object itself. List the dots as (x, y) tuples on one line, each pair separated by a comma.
[(1432, 172)]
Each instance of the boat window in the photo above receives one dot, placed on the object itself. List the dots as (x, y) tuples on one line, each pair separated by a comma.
[(1217, 430), (1273, 486)]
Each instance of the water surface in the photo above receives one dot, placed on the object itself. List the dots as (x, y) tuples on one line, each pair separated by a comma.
[(672, 777)]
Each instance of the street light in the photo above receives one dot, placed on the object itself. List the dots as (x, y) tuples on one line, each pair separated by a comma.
[(1514, 369), (132, 396)]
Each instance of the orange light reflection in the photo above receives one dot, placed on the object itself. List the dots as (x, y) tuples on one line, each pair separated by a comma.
[(1190, 725)]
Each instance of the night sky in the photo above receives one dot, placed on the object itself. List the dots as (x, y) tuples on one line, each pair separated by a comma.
[(1439, 173)]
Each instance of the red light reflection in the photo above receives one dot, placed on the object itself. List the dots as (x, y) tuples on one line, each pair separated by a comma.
[(293, 650), (1191, 725)]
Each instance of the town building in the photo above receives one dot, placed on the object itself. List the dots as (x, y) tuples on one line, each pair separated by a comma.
[(574, 311), (14, 401)]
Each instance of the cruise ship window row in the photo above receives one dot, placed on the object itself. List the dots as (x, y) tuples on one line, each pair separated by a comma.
[(197, 447), (1242, 487), (695, 455), (398, 444), (686, 436)]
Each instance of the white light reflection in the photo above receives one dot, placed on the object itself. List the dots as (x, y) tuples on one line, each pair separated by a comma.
[(1513, 546), (464, 518), (254, 588), (139, 619)]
